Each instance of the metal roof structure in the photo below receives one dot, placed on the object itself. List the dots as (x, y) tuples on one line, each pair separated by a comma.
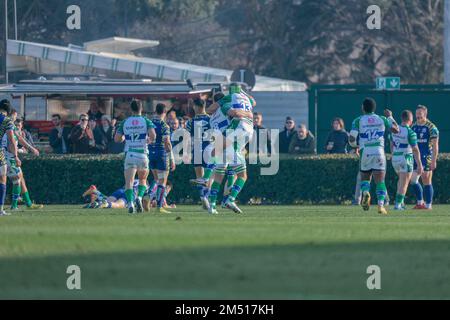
[(119, 45), (45, 59), (37, 87)]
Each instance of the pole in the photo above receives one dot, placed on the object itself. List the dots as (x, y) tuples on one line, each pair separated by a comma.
[(447, 42), (6, 42), (15, 20)]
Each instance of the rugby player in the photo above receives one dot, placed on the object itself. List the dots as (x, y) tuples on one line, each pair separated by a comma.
[(137, 131), (6, 129), (198, 128), (405, 151), (371, 128), (14, 172), (161, 156), (428, 142), (227, 118)]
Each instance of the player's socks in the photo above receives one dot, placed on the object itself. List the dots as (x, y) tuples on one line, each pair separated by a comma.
[(27, 199), (399, 200), (141, 191), (236, 189), (214, 193), (381, 193), (15, 195), (419, 193), (129, 194), (2, 196), (365, 186), (160, 195), (208, 173), (428, 192), (230, 181)]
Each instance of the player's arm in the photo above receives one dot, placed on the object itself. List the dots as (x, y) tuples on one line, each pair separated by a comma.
[(390, 122), (119, 137), (435, 148), (212, 108), (354, 133), (168, 148), (27, 146), (151, 135), (239, 113)]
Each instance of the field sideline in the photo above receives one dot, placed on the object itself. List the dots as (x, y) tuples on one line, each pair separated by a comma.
[(268, 253)]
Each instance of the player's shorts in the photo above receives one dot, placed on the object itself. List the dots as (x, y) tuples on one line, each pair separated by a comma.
[(426, 162), (12, 169), (137, 161), (120, 195), (159, 160), (372, 159), (403, 163)]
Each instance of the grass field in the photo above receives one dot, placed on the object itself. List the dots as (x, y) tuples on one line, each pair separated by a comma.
[(268, 253)]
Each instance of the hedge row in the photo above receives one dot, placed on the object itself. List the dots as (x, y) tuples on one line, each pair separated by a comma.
[(305, 180)]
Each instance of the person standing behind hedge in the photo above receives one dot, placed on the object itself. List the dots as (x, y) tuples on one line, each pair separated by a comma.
[(303, 142), (59, 136), (285, 137), (337, 140), (82, 137)]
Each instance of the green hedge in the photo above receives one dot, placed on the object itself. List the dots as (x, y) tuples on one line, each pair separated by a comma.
[(306, 180)]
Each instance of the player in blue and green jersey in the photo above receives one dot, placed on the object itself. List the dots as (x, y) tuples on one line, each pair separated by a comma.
[(405, 151), (161, 156), (137, 131), (371, 128), (428, 142)]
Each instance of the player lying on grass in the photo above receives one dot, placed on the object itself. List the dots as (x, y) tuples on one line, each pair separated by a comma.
[(161, 156), (138, 132), (370, 129), (428, 142), (117, 200), (404, 151)]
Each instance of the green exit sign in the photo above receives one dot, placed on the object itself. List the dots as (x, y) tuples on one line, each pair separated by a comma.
[(388, 83)]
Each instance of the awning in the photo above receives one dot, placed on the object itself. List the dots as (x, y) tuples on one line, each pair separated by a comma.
[(50, 59)]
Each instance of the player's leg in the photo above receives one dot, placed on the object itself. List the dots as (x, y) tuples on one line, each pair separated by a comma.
[(16, 190), (231, 179), (358, 195), (26, 194), (219, 174), (379, 178), (402, 188), (130, 174), (161, 191), (418, 189), (241, 179), (3, 178), (142, 187), (366, 178), (428, 190)]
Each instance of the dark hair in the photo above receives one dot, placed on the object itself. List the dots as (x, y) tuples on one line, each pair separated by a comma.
[(5, 105), (407, 115), (369, 105), (255, 114), (13, 111), (136, 106), (218, 96), (199, 103), (160, 109), (56, 116), (18, 120)]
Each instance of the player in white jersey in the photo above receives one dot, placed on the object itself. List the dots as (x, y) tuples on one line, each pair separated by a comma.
[(370, 129), (404, 150), (138, 132)]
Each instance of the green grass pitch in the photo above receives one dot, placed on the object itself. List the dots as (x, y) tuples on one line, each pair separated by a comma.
[(267, 253)]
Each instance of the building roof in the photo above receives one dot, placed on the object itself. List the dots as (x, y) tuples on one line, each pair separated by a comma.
[(43, 59)]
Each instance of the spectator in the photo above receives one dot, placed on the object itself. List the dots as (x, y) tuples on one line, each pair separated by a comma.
[(258, 127), (82, 137), (59, 136), (172, 115), (175, 127), (182, 122), (286, 135), (115, 147), (303, 142), (94, 112), (103, 135), (26, 135), (337, 140)]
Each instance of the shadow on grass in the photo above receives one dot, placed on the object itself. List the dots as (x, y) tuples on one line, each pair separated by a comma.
[(410, 270)]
